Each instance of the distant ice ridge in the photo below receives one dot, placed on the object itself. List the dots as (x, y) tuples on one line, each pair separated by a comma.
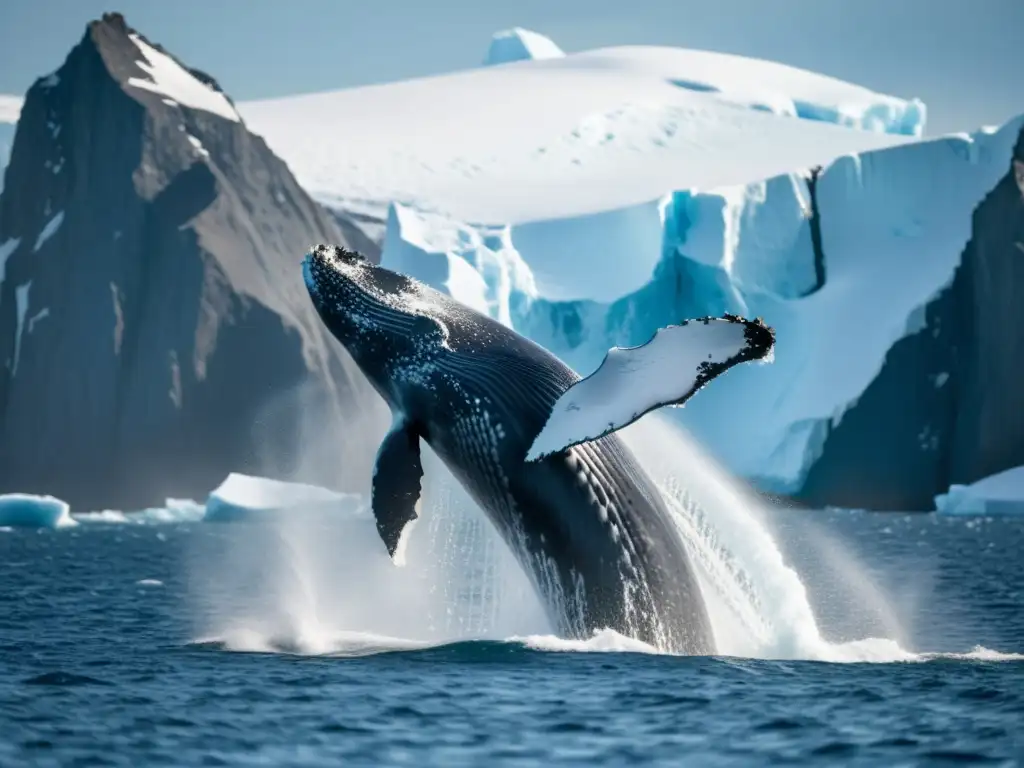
[(999, 494), (782, 89), (841, 262)]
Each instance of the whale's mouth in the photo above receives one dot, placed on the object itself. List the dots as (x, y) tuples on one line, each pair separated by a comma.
[(327, 270), (308, 277)]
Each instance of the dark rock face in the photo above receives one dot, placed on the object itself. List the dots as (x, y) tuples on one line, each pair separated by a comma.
[(155, 328), (946, 407), (988, 434)]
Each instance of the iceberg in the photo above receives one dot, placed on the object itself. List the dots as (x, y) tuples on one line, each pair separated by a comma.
[(518, 44), (996, 495), (578, 135), (24, 510), (248, 498)]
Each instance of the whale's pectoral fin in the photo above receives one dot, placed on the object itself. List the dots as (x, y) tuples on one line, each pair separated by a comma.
[(395, 491), (667, 370)]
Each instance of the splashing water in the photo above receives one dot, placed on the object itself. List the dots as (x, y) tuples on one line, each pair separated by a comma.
[(324, 585), (759, 607)]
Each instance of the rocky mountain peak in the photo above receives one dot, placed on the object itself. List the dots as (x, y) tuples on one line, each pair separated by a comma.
[(151, 302)]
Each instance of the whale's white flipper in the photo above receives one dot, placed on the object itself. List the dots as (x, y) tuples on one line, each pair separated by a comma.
[(395, 491), (667, 370)]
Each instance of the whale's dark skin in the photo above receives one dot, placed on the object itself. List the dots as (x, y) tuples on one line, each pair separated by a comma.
[(588, 524)]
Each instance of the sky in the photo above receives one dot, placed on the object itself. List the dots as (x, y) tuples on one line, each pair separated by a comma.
[(965, 61)]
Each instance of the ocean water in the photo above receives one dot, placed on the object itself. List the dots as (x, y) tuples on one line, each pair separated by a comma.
[(846, 637)]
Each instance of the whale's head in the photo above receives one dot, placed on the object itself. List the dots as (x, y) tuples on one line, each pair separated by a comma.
[(385, 320)]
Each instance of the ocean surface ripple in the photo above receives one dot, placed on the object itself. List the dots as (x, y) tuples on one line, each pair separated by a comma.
[(101, 664)]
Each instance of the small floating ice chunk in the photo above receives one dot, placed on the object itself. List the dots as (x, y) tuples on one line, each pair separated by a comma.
[(996, 495), (667, 370), (25, 510), (103, 516), (243, 497), (173, 511), (168, 79), (149, 583)]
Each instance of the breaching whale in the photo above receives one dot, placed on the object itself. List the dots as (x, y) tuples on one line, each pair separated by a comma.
[(587, 524)]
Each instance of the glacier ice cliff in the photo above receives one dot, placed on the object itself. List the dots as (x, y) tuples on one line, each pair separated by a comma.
[(159, 239), (887, 275)]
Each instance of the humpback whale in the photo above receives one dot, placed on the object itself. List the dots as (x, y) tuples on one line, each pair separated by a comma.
[(587, 523)]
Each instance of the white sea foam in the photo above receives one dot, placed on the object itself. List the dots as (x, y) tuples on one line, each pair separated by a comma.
[(308, 585)]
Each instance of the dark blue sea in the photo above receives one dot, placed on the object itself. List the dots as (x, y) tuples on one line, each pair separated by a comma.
[(109, 657)]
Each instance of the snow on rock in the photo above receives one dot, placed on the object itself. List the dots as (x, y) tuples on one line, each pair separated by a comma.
[(167, 78), (1000, 494), (479, 267), (667, 370), (49, 230), (198, 145), (42, 314), (21, 296), (7, 249), (554, 138), (247, 498), (518, 44), (25, 510)]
